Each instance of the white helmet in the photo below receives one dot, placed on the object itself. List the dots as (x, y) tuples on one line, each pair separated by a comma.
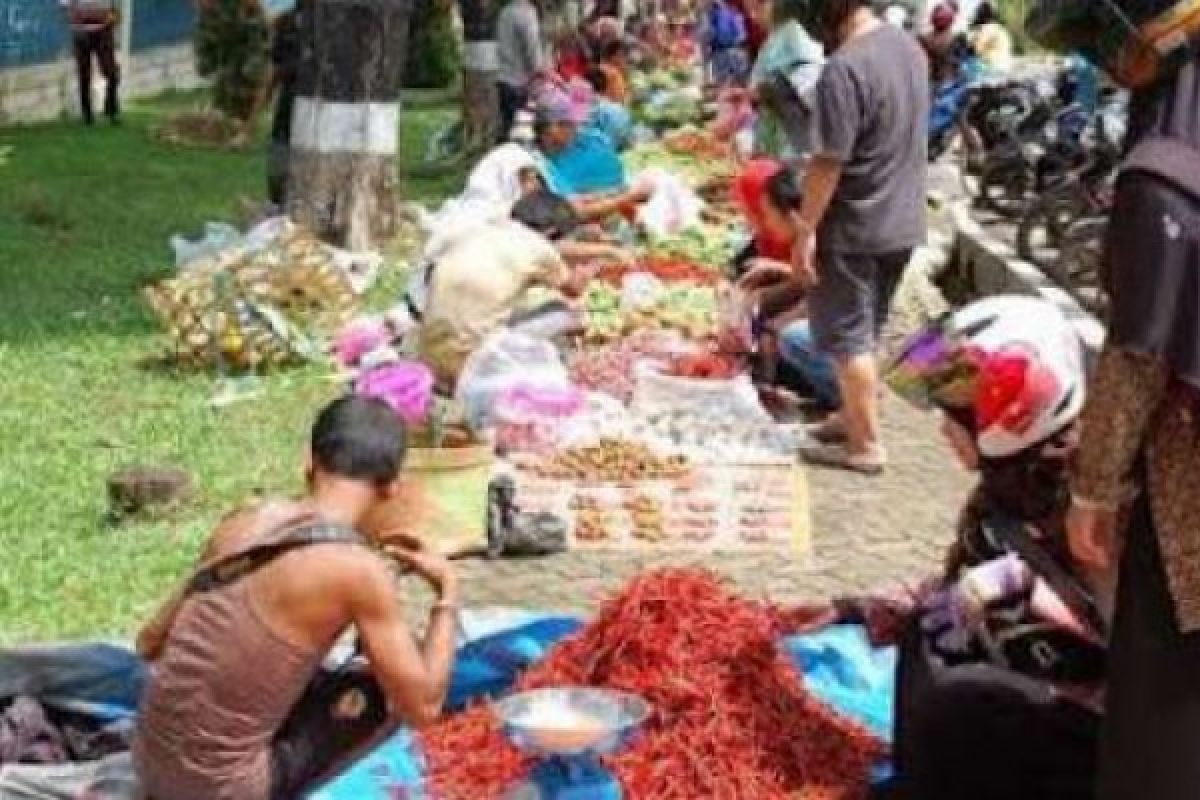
[(1013, 365)]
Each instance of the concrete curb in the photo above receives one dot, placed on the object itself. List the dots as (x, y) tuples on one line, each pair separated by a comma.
[(992, 267)]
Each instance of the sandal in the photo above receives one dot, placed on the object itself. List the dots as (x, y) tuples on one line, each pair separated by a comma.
[(838, 457), (831, 430)]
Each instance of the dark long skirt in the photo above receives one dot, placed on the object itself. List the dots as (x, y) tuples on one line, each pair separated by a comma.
[(974, 731), (1151, 740)]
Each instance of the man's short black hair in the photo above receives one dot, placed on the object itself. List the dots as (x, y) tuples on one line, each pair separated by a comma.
[(359, 438), (597, 78), (783, 191)]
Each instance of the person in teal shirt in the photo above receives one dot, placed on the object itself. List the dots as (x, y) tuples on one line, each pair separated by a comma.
[(580, 160), (788, 51), (608, 116)]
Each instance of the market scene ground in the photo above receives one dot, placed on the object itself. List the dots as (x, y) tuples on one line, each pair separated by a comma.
[(644, 415)]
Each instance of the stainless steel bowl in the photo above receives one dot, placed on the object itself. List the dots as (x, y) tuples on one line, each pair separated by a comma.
[(571, 722)]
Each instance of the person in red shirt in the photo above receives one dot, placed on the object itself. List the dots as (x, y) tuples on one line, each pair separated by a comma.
[(771, 227)]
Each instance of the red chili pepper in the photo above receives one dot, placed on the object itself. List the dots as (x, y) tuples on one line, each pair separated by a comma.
[(731, 716)]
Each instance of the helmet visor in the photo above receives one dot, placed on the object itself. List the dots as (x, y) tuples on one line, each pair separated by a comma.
[(934, 369)]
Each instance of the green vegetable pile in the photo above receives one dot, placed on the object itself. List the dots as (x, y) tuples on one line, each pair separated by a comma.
[(712, 246), (691, 310)]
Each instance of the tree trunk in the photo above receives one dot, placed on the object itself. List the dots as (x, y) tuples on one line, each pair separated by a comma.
[(480, 111), (343, 173)]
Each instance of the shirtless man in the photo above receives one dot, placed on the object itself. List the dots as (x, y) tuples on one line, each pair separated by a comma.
[(238, 705)]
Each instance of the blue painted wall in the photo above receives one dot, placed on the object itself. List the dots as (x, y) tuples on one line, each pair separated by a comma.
[(161, 22), (35, 31), (31, 32)]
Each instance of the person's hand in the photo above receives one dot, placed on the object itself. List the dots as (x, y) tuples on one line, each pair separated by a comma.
[(417, 556), (641, 193), (1092, 535), (763, 272), (804, 259), (623, 256)]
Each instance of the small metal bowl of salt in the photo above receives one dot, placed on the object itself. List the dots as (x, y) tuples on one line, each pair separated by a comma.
[(571, 722)]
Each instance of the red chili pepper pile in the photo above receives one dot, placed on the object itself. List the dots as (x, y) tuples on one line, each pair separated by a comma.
[(731, 718), (705, 366)]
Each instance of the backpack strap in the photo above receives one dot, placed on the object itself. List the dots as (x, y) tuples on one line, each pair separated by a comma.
[(1011, 533), (1167, 159), (238, 565)]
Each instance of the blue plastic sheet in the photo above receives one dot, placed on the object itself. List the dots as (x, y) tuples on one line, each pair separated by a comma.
[(484, 667), (839, 666), (842, 668)]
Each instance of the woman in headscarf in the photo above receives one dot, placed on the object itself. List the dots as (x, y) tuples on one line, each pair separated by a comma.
[(1134, 498)]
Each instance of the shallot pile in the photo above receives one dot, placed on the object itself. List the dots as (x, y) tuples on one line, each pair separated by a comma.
[(731, 718), (611, 369)]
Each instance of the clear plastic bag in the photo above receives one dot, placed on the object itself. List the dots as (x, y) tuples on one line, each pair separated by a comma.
[(506, 359), (655, 392)]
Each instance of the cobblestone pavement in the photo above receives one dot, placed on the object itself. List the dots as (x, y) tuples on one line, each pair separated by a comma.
[(867, 532)]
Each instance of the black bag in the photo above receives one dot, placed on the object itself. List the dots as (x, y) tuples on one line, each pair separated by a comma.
[(975, 731)]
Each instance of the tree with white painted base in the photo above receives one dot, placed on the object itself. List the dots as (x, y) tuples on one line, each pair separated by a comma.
[(343, 174)]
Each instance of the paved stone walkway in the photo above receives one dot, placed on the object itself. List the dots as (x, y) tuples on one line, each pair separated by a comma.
[(867, 532)]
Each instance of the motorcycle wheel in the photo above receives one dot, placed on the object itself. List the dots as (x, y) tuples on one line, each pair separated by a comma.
[(1077, 269), (1007, 187), (1041, 228)]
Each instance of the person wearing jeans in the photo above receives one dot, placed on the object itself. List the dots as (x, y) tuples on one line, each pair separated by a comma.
[(798, 349), (93, 35)]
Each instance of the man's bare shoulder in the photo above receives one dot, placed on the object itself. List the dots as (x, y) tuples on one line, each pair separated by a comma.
[(242, 526)]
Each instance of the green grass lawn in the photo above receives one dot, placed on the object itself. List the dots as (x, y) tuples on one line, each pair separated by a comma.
[(85, 218)]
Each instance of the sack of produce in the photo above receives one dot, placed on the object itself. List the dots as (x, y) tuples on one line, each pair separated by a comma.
[(655, 391), (528, 419), (506, 360)]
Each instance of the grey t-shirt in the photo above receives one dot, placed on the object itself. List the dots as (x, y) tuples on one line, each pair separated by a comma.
[(872, 115), (518, 43)]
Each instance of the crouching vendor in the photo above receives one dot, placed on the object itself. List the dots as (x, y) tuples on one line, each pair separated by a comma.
[(475, 285), (239, 705), (1001, 671)]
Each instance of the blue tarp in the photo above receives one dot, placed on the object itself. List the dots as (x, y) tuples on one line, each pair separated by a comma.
[(838, 663)]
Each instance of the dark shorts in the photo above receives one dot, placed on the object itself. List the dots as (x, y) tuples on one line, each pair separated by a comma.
[(337, 718), (849, 305)]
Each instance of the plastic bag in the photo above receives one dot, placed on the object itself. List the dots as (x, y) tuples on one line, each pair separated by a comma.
[(218, 238), (528, 419), (505, 360), (655, 392), (736, 321), (406, 386), (672, 208)]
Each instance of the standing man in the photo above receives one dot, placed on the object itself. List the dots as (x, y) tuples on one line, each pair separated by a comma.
[(521, 57), (93, 34), (863, 211)]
